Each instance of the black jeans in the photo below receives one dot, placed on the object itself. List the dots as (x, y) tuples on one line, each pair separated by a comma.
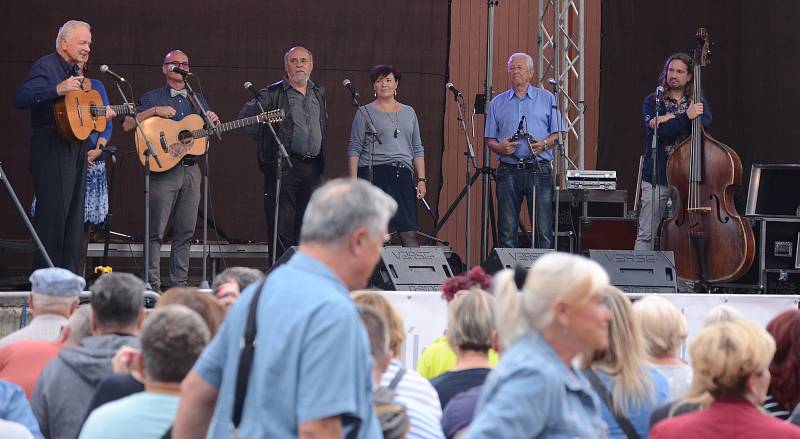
[(297, 185)]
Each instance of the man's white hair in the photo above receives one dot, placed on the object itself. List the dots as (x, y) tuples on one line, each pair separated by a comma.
[(528, 59), (68, 28)]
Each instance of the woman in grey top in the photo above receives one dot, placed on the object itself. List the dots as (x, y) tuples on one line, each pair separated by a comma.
[(396, 157)]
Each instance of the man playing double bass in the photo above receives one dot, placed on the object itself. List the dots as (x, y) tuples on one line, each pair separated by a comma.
[(676, 108)]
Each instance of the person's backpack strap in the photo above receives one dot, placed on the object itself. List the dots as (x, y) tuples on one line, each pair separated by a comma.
[(601, 390), (397, 378), (246, 357)]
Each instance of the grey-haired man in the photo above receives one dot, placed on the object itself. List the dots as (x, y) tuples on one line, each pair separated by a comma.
[(53, 298)]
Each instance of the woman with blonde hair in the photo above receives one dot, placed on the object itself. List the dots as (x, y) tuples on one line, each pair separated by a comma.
[(664, 330), (412, 390), (438, 357), (620, 375), (534, 391), (731, 362), (470, 325)]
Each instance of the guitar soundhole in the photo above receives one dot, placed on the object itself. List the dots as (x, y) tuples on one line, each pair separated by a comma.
[(93, 110), (185, 137)]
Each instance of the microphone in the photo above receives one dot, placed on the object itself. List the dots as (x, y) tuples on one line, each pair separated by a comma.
[(104, 68), (453, 89), (180, 71), (249, 85), (352, 89), (552, 82), (659, 90)]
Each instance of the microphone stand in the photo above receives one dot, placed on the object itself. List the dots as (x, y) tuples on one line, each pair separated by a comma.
[(282, 155), (371, 133), (655, 189), (470, 153), (109, 219), (148, 152), (212, 129)]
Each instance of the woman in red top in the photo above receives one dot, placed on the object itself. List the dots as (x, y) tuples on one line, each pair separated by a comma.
[(731, 362)]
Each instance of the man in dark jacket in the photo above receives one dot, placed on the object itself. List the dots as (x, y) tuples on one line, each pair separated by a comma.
[(67, 383), (58, 166), (302, 132), (677, 108)]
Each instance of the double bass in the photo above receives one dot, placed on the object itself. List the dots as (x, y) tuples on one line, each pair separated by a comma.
[(709, 239)]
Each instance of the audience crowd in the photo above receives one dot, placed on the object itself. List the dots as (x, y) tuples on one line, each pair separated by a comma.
[(552, 351)]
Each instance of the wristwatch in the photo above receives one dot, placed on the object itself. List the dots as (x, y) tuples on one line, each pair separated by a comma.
[(422, 179)]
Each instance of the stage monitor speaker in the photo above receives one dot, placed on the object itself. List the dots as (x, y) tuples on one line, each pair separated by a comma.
[(411, 269), (502, 258), (639, 271)]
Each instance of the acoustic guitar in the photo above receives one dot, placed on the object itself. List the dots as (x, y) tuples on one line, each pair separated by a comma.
[(173, 140), (81, 112)]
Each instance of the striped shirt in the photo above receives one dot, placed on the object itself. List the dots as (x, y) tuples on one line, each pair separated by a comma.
[(421, 402), (774, 409)]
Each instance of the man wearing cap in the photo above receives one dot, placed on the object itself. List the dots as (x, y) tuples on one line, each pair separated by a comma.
[(53, 298)]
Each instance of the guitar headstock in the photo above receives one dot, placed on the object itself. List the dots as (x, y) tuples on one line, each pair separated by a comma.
[(702, 56), (273, 116)]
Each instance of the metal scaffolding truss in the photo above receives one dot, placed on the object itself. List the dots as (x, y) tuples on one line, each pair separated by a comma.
[(559, 53)]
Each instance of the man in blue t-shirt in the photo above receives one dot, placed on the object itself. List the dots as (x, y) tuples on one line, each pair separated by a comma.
[(524, 162), (174, 193), (310, 373)]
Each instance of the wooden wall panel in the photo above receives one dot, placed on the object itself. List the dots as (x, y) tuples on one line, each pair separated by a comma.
[(515, 30)]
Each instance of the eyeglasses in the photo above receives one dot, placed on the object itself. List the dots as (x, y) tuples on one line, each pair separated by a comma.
[(182, 65)]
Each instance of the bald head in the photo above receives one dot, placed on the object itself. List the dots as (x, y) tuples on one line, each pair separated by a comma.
[(178, 59)]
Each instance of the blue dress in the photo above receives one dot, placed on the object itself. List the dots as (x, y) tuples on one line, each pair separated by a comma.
[(96, 183)]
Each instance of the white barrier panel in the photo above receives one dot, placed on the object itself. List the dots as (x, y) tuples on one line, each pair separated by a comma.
[(425, 314), (760, 308), (424, 317)]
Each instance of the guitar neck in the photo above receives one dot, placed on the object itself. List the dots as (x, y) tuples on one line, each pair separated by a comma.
[(119, 109), (232, 125), (241, 123)]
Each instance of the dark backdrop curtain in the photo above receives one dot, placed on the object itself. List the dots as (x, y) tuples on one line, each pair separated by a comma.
[(750, 83), (229, 43)]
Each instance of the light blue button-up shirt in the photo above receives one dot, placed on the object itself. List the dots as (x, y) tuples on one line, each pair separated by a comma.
[(541, 120), (531, 393), (312, 358)]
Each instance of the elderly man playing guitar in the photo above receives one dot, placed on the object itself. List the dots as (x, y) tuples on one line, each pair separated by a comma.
[(57, 162)]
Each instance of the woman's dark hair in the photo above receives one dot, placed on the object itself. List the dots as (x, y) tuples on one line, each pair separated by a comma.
[(382, 70), (785, 367)]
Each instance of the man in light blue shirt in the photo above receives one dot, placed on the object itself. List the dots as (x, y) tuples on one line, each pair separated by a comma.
[(523, 165), (310, 374)]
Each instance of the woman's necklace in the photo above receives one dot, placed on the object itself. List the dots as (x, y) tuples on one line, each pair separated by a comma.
[(395, 120)]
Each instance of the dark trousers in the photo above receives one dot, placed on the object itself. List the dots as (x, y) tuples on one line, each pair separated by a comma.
[(58, 168), (175, 198), (297, 185)]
